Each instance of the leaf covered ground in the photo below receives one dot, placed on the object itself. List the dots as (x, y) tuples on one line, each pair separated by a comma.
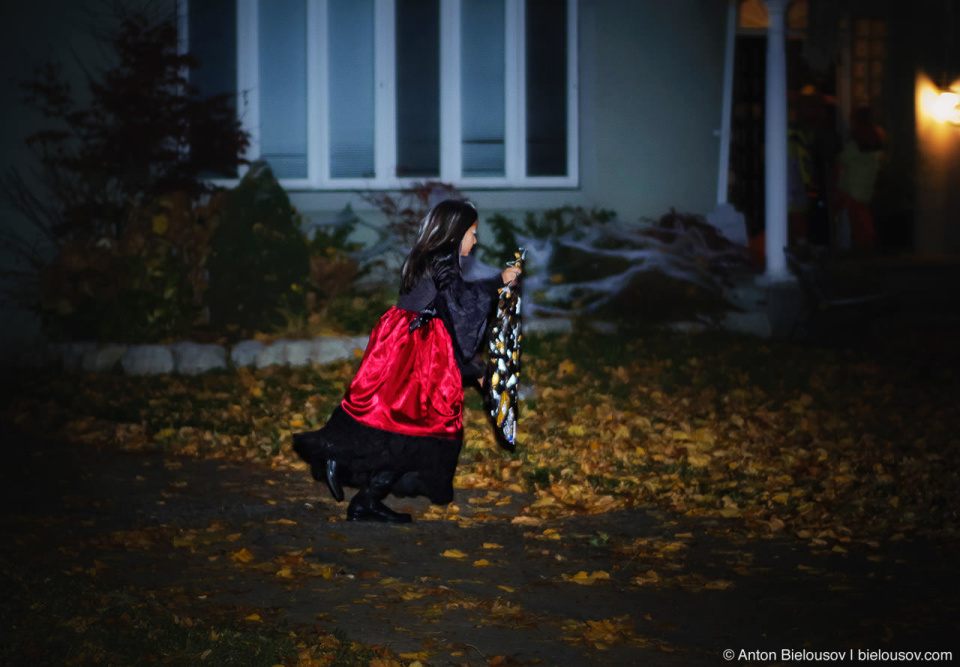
[(831, 445), (660, 481)]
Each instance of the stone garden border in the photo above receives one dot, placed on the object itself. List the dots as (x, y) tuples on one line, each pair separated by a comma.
[(188, 358)]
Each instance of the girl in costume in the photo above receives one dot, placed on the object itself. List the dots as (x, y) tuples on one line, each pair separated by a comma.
[(399, 427)]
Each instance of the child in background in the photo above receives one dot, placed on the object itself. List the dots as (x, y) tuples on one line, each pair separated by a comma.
[(857, 168)]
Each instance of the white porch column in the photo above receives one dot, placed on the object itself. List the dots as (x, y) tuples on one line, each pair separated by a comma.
[(727, 112), (775, 134)]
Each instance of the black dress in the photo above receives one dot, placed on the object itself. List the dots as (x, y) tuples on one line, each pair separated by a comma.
[(403, 411)]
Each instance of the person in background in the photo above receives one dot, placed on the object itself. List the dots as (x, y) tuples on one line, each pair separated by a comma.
[(811, 143), (856, 175)]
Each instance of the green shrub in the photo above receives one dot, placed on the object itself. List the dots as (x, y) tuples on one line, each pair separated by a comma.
[(116, 297), (333, 269), (259, 261), (145, 286), (138, 132)]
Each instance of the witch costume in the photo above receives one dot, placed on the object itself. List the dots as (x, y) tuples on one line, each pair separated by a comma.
[(399, 427)]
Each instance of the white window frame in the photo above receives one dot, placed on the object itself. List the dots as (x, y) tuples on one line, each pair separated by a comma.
[(385, 102)]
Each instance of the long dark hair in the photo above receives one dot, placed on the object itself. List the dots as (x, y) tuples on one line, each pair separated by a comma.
[(441, 231)]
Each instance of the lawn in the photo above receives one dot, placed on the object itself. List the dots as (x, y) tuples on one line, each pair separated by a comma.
[(831, 445)]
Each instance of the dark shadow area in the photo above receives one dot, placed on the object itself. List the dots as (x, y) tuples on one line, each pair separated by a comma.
[(111, 556)]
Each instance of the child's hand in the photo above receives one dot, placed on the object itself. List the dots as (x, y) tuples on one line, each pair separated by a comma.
[(510, 274)]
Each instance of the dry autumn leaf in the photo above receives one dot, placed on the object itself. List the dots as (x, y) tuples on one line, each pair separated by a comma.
[(384, 662), (585, 579), (526, 521), (242, 556)]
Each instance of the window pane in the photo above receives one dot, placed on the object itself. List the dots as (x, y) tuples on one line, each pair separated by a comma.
[(283, 86), (753, 14), (418, 87), (546, 87), (212, 40), (482, 49), (351, 35)]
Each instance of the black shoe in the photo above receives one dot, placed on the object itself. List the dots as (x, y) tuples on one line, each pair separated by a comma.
[(333, 480), (374, 510)]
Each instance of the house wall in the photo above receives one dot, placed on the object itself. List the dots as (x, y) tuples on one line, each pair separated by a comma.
[(650, 90), (658, 105), (895, 196), (651, 84)]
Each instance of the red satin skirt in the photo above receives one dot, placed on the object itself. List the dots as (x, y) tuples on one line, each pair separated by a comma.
[(408, 383)]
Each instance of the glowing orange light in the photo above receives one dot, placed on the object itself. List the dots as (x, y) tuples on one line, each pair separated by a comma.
[(939, 105), (947, 107)]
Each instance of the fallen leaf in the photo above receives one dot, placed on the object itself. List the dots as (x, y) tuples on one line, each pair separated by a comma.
[(526, 521), (585, 579), (242, 556)]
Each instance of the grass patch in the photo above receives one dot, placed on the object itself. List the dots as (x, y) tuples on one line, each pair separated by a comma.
[(62, 619), (65, 616)]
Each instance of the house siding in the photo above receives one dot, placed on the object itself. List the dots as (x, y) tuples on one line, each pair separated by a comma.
[(658, 109), (650, 90)]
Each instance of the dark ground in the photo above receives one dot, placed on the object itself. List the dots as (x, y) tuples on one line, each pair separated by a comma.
[(108, 555), (123, 558)]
